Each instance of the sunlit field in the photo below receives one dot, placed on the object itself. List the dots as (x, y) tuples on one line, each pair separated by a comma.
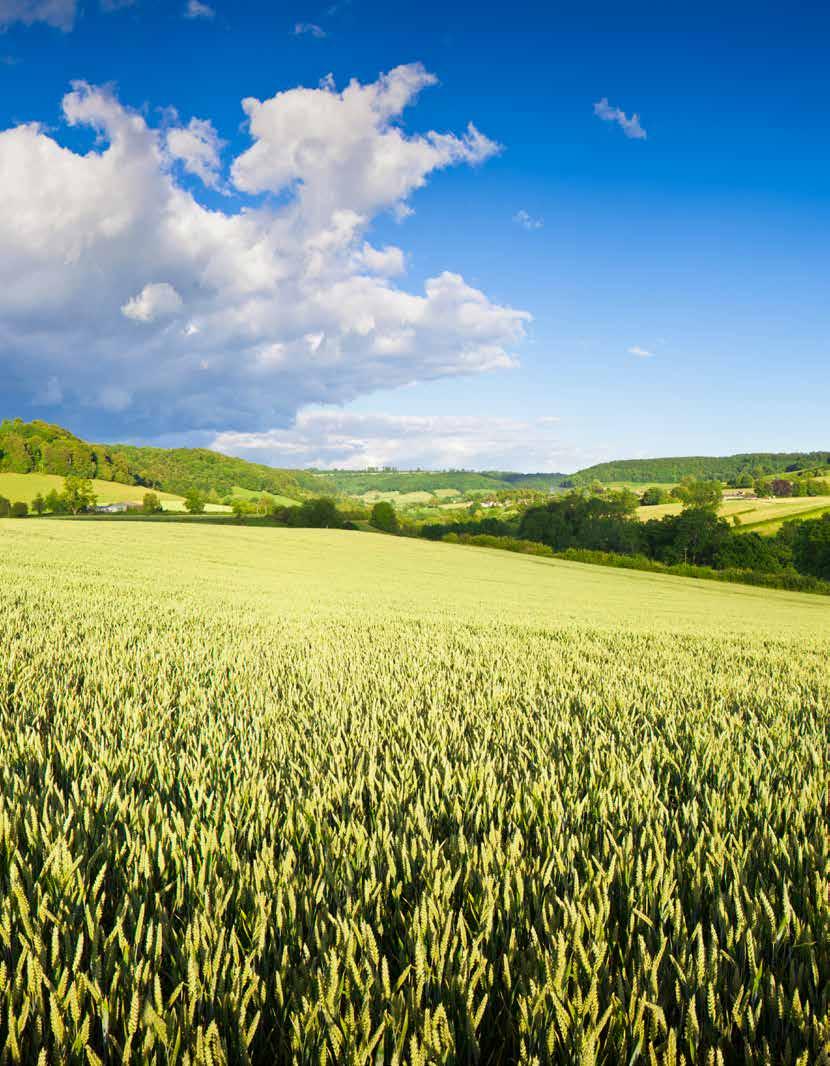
[(281, 796), (751, 512)]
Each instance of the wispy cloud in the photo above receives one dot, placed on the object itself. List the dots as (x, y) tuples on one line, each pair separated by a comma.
[(630, 126), (58, 13), (526, 221), (197, 10), (642, 353), (308, 29)]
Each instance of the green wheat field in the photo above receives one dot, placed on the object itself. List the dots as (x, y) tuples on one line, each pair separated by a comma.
[(298, 796)]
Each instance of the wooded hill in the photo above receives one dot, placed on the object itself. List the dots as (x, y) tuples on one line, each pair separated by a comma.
[(39, 447), (715, 467)]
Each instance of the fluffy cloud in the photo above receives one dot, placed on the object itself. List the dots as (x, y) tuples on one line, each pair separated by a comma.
[(643, 353), (153, 302), (119, 286), (197, 10), (197, 146), (630, 126), (527, 221), (326, 438), (57, 13)]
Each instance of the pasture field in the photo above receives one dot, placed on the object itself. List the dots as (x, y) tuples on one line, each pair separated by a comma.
[(304, 796), (250, 494), (26, 486), (751, 512)]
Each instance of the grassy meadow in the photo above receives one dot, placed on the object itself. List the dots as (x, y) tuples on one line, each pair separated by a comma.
[(26, 486), (302, 796), (764, 515)]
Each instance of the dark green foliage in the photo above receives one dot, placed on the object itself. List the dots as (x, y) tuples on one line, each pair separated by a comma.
[(654, 496), (356, 482), (601, 522), (27, 447), (178, 469), (5, 507), (384, 517), (38, 504), (725, 468), (811, 546), (19, 509), (700, 495)]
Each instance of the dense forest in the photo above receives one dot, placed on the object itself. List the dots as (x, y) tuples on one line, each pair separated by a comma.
[(179, 469), (27, 447), (726, 468), (39, 447), (356, 482)]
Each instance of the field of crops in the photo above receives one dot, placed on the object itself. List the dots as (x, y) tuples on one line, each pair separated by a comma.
[(750, 512), (300, 796), (26, 486)]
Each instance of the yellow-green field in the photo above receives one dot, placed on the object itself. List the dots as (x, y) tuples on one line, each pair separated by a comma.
[(750, 512), (26, 486), (301, 796)]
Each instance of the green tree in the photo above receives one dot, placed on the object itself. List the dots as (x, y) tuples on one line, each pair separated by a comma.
[(5, 507), (384, 517), (699, 495), (811, 547), (19, 509), (151, 504), (194, 502), (38, 504), (653, 496), (78, 494), (54, 502)]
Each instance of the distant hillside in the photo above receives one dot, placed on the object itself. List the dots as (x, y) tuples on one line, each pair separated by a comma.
[(719, 467), (357, 482), (42, 448), (179, 469)]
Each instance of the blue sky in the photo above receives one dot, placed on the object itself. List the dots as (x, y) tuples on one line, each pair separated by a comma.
[(703, 243)]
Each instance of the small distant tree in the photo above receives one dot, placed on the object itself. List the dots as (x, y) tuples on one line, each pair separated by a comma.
[(5, 507), (54, 502), (781, 487), (78, 494), (241, 507), (384, 517), (744, 481), (194, 502), (653, 496), (151, 504), (697, 495), (19, 509), (38, 504)]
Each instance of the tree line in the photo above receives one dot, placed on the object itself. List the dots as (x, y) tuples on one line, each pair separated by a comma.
[(606, 522)]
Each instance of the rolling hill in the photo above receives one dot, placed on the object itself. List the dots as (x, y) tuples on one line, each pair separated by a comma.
[(718, 467)]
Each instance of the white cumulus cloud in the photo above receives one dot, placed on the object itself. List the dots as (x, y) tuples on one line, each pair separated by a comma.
[(643, 353), (117, 282), (630, 126), (198, 147), (326, 438), (153, 302)]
